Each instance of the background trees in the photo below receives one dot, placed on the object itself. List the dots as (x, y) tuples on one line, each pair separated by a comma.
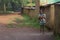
[(9, 5), (37, 6), (13, 5)]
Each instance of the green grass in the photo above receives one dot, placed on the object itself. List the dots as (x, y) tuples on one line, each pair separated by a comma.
[(26, 22), (57, 37), (32, 22), (10, 25)]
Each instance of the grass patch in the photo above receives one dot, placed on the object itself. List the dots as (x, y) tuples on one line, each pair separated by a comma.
[(10, 25), (26, 22), (32, 22), (57, 37)]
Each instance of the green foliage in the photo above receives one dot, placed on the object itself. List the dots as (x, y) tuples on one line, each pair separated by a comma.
[(30, 22), (8, 5), (10, 25), (26, 22), (57, 37)]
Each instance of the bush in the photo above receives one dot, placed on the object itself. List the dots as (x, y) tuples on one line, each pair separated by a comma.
[(27, 22), (57, 37)]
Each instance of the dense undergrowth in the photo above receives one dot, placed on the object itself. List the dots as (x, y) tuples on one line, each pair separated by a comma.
[(26, 22)]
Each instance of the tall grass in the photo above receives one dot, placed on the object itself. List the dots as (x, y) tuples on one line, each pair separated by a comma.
[(26, 22), (33, 22)]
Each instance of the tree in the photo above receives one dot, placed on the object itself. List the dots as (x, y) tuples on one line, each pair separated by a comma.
[(11, 4), (4, 5), (37, 7)]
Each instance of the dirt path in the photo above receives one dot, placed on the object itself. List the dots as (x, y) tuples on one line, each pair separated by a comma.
[(23, 33), (7, 18)]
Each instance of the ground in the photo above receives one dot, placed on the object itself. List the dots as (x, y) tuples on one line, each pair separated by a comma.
[(6, 18), (22, 33)]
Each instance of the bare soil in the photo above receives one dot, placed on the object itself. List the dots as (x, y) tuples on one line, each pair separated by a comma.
[(23, 33)]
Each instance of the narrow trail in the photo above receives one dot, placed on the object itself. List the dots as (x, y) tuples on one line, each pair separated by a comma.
[(22, 33)]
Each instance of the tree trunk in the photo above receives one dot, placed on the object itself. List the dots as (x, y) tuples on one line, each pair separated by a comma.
[(37, 7), (4, 8)]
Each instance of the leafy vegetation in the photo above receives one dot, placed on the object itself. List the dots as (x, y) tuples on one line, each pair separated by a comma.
[(32, 22), (9, 5), (26, 22), (57, 37)]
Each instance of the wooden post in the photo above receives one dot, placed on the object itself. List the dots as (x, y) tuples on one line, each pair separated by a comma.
[(52, 15), (57, 19)]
